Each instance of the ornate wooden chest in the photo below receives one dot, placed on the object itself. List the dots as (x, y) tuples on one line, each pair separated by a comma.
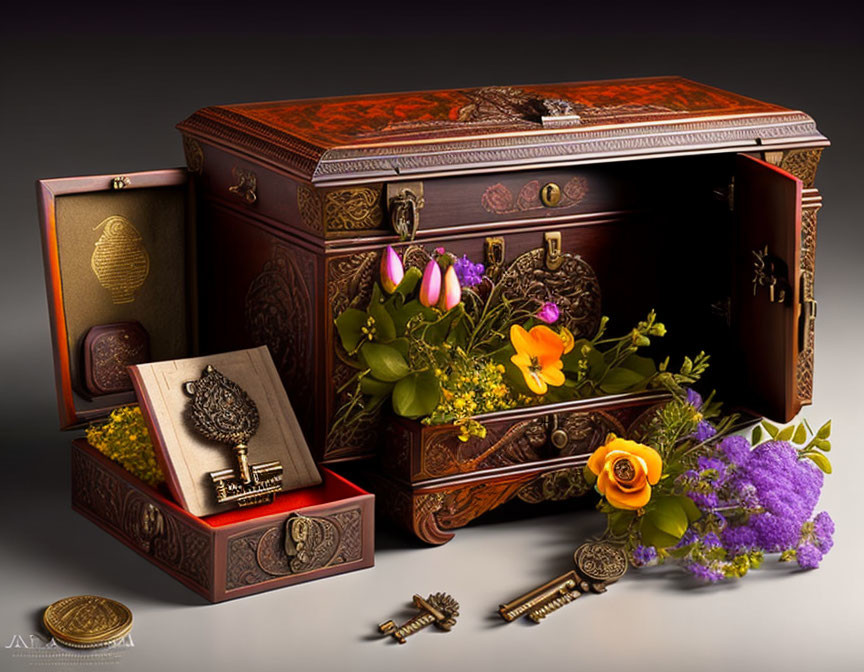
[(673, 195), (119, 267)]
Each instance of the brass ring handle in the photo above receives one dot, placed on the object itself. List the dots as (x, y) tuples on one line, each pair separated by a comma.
[(245, 184)]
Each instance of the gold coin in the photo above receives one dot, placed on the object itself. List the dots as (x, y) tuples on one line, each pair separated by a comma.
[(87, 621)]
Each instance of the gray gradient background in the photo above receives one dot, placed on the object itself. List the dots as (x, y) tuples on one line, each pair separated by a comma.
[(99, 89)]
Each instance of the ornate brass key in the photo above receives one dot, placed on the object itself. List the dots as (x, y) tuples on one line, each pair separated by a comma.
[(222, 411), (598, 564)]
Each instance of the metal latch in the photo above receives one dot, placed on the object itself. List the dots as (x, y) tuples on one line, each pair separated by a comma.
[(554, 257), (404, 201), (770, 271), (493, 253)]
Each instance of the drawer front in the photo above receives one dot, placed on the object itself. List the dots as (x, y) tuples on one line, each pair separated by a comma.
[(141, 521), (307, 544), (418, 453)]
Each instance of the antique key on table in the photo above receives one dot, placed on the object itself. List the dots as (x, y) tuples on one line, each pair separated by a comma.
[(221, 411), (598, 564), (440, 609)]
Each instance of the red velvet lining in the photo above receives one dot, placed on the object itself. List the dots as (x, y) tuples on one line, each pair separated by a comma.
[(333, 488)]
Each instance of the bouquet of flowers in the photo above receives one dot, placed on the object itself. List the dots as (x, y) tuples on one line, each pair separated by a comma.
[(690, 491), (445, 343)]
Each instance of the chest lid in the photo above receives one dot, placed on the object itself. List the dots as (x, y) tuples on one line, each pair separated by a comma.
[(119, 269), (388, 136)]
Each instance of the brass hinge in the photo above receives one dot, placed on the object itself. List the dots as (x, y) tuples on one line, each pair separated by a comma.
[(404, 202)]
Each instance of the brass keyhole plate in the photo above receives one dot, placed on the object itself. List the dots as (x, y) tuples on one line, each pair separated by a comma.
[(550, 194)]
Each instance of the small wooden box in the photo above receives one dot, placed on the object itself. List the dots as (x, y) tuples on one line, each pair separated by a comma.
[(669, 189), (143, 220), (231, 554)]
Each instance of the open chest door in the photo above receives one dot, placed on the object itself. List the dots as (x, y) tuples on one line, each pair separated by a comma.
[(766, 297)]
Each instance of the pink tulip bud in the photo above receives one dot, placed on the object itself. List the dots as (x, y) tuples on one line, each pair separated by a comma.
[(392, 270), (452, 293), (430, 286), (549, 313)]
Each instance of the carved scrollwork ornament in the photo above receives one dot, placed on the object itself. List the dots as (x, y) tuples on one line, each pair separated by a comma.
[(568, 280)]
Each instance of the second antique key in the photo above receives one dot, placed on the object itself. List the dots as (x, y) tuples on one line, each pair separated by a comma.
[(598, 564)]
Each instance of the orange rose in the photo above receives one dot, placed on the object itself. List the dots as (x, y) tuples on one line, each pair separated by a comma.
[(625, 472)]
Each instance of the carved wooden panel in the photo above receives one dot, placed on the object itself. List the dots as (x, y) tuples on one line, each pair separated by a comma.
[(802, 163), (134, 517), (499, 200), (432, 515), (349, 285), (508, 443), (278, 312), (260, 555), (804, 368), (353, 209)]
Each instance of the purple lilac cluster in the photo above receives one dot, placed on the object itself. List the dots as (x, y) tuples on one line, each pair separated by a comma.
[(469, 273), (644, 555), (759, 500)]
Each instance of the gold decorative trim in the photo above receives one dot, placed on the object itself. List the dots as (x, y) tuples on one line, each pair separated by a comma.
[(194, 155), (353, 209), (309, 206), (802, 163), (120, 261)]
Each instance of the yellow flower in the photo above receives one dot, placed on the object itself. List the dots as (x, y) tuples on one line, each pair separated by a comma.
[(625, 472), (538, 356)]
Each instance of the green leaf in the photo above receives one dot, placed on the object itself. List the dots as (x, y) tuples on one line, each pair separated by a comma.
[(437, 331), (590, 476), (756, 436), (786, 433), (401, 346), (822, 444), (571, 359), (653, 536), (374, 387), (771, 429), (402, 314), (377, 294), (619, 522), (680, 552), (409, 282), (621, 380), (820, 461), (416, 395), (668, 516), (642, 365), (597, 366), (349, 325), (692, 511), (824, 431), (385, 330), (800, 436), (385, 362)]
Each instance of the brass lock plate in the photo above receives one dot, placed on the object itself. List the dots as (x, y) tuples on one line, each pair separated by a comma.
[(404, 202), (550, 194)]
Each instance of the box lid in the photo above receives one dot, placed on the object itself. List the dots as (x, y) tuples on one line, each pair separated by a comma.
[(388, 136), (200, 410), (119, 269)]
